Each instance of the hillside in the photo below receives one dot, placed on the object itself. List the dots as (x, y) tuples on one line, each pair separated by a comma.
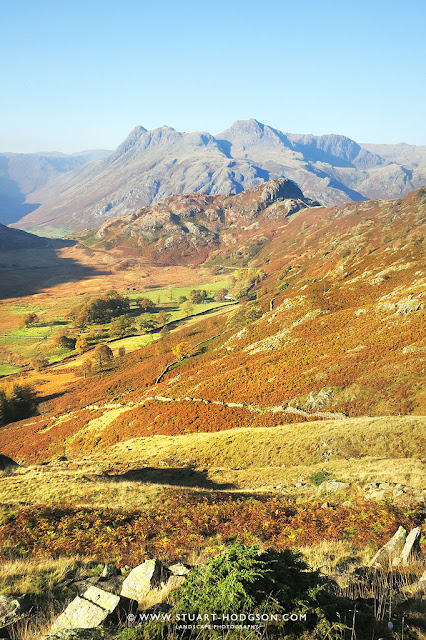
[(15, 239), (189, 227), (337, 328), (152, 165)]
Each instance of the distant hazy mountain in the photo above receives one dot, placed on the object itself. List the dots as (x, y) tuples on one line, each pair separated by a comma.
[(151, 165), (23, 173), (409, 155)]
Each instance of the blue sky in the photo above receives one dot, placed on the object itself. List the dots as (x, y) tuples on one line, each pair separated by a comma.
[(81, 74)]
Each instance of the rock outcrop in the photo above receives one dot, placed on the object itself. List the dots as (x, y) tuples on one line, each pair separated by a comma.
[(94, 608), (391, 550), (150, 575), (401, 549)]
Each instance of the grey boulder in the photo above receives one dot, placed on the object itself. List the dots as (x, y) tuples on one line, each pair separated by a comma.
[(95, 607), (150, 575)]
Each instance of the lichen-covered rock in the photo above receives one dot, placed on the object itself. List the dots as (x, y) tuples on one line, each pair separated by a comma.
[(152, 574), (86, 634), (180, 569), (93, 608), (332, 486), (392, 549), (411, 551), (109, 571), (11, 610)]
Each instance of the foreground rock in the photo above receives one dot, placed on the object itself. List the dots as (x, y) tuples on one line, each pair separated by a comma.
[(411, 551), (399, 550), (95, 607), (148, 576), (85, 634), (12, 609), (390, 551)]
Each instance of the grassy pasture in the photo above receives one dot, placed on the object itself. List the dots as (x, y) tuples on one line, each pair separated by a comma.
[(18, 344)]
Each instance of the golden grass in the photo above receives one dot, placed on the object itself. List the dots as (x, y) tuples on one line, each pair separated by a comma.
[(82, 484), (35, 576), (261, 459), (290, 445)]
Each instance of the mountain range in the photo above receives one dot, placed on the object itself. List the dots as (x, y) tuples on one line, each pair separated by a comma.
[(151, 165)]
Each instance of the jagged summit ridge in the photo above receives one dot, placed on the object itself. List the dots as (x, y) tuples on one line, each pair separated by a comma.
[(151, 165)]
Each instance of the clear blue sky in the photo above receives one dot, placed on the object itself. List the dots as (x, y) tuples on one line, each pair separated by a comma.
[(81, 74)]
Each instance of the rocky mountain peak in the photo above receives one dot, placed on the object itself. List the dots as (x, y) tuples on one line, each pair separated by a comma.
[(250, 133)]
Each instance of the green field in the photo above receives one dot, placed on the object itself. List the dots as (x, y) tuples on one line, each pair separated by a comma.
[(8, 369), (26, 343)]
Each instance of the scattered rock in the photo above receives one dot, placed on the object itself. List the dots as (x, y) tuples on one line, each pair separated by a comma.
[(93, 608), (391, 550), (332, 486), (180, 569), (85, 634), (12, 609), (152, 574), (109, 571)]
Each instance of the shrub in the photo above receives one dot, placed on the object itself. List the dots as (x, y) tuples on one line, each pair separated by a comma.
[(245, 581), (39, 363), (318, 477)]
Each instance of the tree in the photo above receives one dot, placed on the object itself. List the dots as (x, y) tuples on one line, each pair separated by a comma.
[(187, 308), (39, 363), (148, 323), (163, 318), (246, 580), (82, 345), (102, 356), (220, 296), (146, 305), (180, 350), (64, 341), (182, 299), (17, 401), (29, 320), (120, 326)]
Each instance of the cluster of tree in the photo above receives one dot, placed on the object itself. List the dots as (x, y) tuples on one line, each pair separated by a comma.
[(121, 327), (101, 359), (243, 280), (197, 296), (220, 296), (17, 401), (101, 310)]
